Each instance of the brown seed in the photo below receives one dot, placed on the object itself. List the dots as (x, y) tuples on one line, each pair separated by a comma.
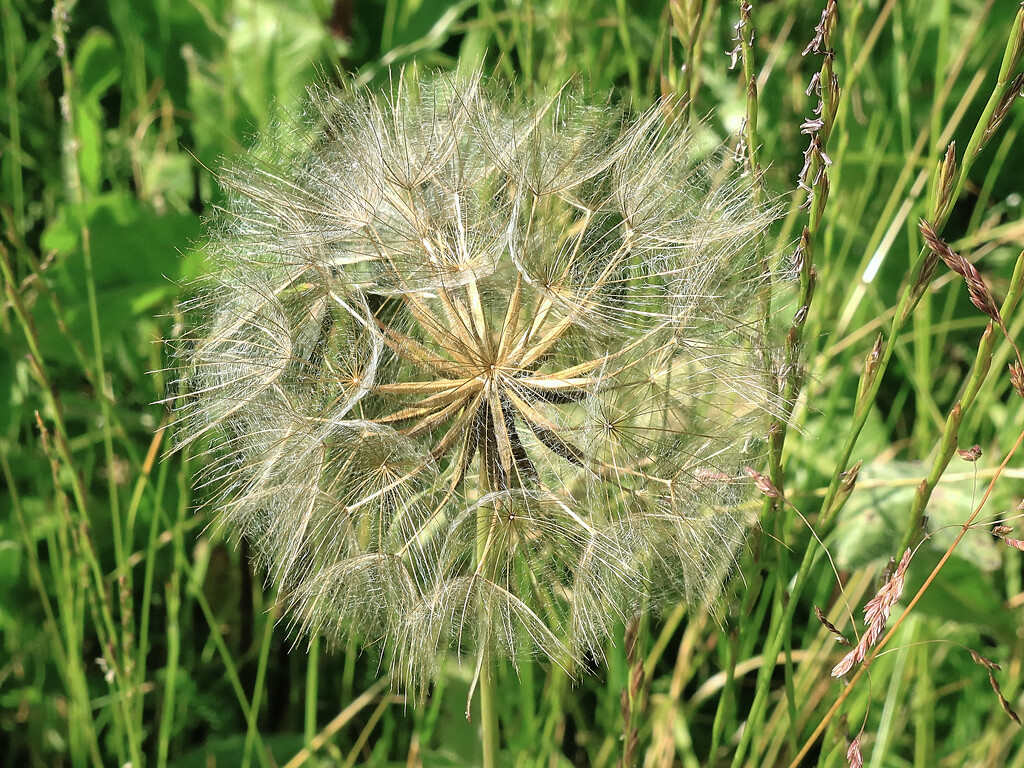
[(971, 454), (839, 636)]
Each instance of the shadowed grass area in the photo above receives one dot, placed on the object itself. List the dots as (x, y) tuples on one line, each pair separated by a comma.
[(134, 632)]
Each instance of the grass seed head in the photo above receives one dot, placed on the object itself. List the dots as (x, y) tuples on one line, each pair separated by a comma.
[(482, 375)]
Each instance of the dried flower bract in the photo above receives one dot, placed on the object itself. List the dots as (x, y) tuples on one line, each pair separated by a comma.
[(482, 376)]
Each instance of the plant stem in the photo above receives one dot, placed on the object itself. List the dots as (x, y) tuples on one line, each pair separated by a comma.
[(488, 705), (488, 716)]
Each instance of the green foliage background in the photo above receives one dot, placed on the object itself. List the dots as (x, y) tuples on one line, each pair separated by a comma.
[(131, 632)]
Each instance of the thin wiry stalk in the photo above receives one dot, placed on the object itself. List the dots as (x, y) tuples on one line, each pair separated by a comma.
[(482, 377)]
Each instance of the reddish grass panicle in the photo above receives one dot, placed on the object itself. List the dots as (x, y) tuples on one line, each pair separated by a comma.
[(482, 376), (876, 614)]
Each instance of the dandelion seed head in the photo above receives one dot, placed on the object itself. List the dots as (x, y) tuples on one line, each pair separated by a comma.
[(479, 375)]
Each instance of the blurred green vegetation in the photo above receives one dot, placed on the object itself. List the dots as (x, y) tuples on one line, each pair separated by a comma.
[(132, 632)]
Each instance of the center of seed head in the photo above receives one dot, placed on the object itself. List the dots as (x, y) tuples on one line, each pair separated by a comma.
[(489, 374)]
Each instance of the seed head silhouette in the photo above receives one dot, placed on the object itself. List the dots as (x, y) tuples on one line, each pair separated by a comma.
[(481, 375)]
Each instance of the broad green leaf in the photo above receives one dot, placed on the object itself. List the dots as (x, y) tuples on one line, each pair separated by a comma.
[(97, 64), (137, 261), (874, 519)]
